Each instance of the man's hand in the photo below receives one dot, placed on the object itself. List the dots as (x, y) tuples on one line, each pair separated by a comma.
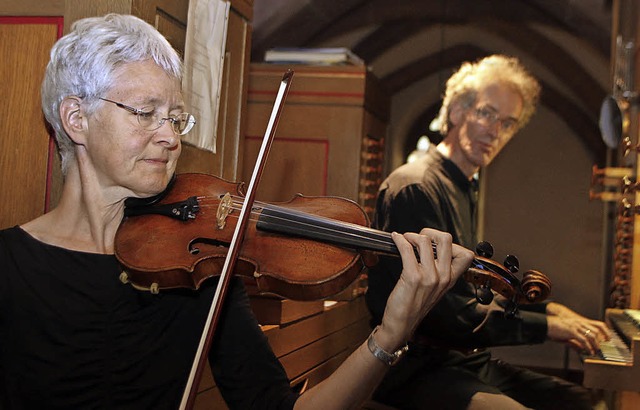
[(581, 333)]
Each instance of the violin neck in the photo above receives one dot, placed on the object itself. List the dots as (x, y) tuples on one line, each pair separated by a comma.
[(291, 222), (483, 272)]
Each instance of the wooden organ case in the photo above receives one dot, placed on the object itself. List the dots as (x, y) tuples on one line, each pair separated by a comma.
[(617, 366), (330, 138)]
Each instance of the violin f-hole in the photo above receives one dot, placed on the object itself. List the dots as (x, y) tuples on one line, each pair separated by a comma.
[(194, 249)]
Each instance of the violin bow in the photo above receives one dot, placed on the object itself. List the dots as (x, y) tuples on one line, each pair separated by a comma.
[(188, 397)]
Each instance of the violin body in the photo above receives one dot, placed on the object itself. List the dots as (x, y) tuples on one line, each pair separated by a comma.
[(159, 252)]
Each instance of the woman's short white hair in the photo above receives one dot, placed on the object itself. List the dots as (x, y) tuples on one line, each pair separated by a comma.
[(83, 62)]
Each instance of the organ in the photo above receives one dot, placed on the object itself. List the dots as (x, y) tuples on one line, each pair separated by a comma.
[(617, 366)]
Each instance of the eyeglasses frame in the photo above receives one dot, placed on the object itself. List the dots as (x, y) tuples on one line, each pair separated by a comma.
[(491, 116), (137, 112)]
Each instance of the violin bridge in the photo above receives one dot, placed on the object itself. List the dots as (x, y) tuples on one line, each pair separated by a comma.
[(224, 209)]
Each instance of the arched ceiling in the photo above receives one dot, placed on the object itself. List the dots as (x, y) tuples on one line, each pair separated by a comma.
[(410, 43)]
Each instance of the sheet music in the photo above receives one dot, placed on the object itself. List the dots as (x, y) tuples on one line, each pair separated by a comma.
[(204, 62)]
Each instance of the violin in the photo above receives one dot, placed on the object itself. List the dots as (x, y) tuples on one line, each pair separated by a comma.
[(306, 249)]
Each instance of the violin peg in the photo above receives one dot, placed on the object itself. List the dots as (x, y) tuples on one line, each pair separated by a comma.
[(484, 295), (511, 309), (484, 249), (512, 263)]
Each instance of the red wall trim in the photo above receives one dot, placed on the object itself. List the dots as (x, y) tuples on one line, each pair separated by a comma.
[(310, 93), (54, 20)]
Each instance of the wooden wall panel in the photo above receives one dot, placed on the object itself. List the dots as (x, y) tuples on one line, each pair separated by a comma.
[(25, 143), (335, 107), (79, 9), (278, 182), (31, 7)]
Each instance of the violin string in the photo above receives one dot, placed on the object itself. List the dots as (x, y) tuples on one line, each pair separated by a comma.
[(383, 238), (237, 201)]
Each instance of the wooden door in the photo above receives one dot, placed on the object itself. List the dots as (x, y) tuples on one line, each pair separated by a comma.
[(26, 150)]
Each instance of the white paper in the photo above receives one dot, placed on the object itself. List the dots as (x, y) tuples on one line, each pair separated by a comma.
[(204, 62)]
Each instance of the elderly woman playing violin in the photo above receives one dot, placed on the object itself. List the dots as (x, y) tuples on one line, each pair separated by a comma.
[(72, 335)]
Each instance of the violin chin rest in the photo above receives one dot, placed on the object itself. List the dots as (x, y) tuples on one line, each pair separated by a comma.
[(132, 203)]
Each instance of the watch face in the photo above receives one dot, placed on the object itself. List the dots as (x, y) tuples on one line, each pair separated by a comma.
[(611, 122)]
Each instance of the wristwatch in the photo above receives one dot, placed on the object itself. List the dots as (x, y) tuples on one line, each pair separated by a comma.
[(385, 357)]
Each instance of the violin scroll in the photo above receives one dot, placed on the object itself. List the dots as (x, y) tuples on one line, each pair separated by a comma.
[(489, 276), (535, 286)]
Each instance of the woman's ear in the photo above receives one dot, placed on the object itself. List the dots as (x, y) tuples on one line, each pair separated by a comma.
[(73, 118)]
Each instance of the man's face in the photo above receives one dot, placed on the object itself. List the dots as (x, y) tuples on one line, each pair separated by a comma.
[(485, 128)]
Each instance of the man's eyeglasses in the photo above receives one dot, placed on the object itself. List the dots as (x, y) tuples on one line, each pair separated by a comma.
[(488, 117), (151, 120)]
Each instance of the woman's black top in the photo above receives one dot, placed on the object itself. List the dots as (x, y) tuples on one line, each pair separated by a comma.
[(73, 336)]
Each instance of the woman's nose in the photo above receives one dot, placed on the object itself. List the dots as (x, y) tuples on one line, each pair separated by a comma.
[(166, 135)]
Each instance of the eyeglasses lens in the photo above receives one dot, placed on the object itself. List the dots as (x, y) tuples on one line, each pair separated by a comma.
[(181, 124), (487, 118)]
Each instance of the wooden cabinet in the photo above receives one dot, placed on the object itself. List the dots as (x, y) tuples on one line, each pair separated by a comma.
[(330, 137), (309, 349)]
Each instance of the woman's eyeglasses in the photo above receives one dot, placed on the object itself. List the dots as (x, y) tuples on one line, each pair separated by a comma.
[(151, 120)]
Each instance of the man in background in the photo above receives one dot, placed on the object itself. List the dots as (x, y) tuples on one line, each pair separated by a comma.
[(485, 104)]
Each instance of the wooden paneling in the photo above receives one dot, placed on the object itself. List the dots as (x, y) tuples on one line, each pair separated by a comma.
[(31, 8), (330, 138), (309, 349), (25, 144), (277, 311), (244, 8), (278, 182), (79, 9)]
